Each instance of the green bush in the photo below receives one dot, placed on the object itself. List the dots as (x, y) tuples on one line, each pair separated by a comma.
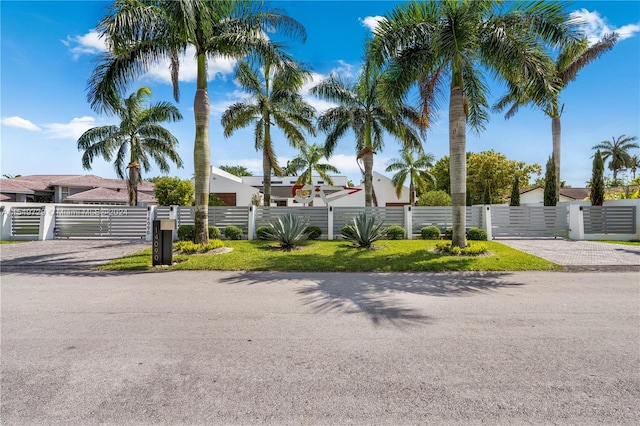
[(434, 198), (186, 232), (214, 232), (233, 232), (288, 230), (395, 232), (262, 232), (477, 234), (469, 250), (313, 232), (191, 247), (431, 232), (448, 233), (364, 231)]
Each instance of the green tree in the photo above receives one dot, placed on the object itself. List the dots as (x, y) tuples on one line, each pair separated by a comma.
[(307, 162), (139, 135), (416, 169), (440, 44), (634, 163), (515, 192), (274, 101), (236, 170), (361, 110), (617, 152), (141, 33), (173, 191), (573, 57), (434, 198), (440, 172), (550, 189), (596, 195)]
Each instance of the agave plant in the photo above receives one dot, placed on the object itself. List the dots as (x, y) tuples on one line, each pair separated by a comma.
[(364, 230), (288, 230)]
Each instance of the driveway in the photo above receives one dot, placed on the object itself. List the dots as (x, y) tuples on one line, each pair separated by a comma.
[(196, 348)]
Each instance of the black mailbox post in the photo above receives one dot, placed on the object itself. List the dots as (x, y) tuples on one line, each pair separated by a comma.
[(162, 241)]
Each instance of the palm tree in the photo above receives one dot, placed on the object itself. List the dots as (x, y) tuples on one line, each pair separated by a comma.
[(452, 43), (634, 163), (416, 169), (309, 161), (573, 57), (617, 150), (139, 135), (361, 110), (274, 101), (141, 33)]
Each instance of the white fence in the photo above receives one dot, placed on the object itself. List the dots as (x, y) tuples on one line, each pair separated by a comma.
[(30, 221)]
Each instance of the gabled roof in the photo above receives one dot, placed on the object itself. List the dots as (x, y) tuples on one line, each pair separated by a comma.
[(108, 195), (47, 182), (15, 186)]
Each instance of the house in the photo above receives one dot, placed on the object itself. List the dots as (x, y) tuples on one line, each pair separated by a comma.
[(77, 189), (239, 191), (535, 195)]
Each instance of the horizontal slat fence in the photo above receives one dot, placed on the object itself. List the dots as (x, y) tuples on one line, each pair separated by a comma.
[(25, 221), (530, 221), (82, 221), (442, 217), (609, 219), (316, 216), (388, 215)]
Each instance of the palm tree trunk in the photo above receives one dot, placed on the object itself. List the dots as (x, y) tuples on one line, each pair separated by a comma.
[(266, 177), (412, 193), (132, 182), (367, 160), (458, 166), (201, 154), (556, 136)]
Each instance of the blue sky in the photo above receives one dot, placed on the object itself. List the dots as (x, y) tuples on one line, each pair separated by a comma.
[(48, 52)]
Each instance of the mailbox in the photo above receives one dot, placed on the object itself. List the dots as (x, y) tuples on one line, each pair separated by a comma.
[(163, 241)]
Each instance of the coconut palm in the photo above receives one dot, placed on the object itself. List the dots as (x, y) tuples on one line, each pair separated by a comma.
[(139, 135), (361, 110), (308, 162), (573, 57), (453, 43), (417, 169), (617, 152), (633, 165), (143, 32), (274, 102)]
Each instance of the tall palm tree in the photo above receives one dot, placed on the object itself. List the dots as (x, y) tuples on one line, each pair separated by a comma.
[(417, 169), (617, 151), (139, 135), (573, 57), (361, 110), (274, 101), (140, 33), (634, 163), (453, 43)]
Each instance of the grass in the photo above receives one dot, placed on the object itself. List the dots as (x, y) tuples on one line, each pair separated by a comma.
[(627, 243), (12, 241), (340, 256)]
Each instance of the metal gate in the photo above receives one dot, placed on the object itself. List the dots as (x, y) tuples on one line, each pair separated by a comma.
[(530, 221), (25, 221), (86, 221)]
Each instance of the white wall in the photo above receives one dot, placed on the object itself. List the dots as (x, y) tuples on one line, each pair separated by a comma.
[(221, 181)]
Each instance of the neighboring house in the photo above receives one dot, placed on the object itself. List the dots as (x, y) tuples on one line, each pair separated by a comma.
[(78, 189), (535, 195), (238, 191)]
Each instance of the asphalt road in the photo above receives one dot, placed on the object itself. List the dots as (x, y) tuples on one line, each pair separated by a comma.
[(202, 348)]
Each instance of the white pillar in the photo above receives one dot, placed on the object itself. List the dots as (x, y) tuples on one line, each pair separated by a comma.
[(408, 221), (5, 215), (486, 220), (576, 222), (251, 231), (174, 214), (330, 223), (47, 222)]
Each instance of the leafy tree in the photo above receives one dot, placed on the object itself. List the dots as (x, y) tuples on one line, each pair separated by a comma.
[(141, 33), (236, 170), (441, 174), (617, 152), (596, 194), (573, 57), (173, 191), (451, 44), (361, 110), (307, 162), (515, 192), (434, 198), (417, 169), (139, 135), (274, 101), (550, 188)]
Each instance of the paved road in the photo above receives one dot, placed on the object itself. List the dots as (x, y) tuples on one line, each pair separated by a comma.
[(200, 348)]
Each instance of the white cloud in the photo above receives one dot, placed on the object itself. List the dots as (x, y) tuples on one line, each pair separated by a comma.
[(72, 130), (20, 123), (371, 22), (88, 44), (189, 70), (595, 26)]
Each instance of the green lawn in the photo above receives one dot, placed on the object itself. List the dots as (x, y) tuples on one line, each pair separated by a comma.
[(627, 243), (332, 256), (12, 241)]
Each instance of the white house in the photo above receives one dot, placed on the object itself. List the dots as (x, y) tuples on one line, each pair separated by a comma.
[(535, 195)]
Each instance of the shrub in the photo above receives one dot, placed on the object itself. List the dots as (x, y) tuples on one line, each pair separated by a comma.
[(434, 198), (233, 232), (477, 234), (214, 232), (448, 233), (364, 231), (191, 247), (262, 232), (395, 232), (470, 250), (288, 230), (313, 232), (431, 232), (186, 232)]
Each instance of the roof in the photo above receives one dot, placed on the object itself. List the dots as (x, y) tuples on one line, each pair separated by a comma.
[(573, 193), (45, 182), (4, 197), (108, 195), (14, 186)]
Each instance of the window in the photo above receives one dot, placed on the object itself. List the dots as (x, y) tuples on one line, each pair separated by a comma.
[(64, 192)]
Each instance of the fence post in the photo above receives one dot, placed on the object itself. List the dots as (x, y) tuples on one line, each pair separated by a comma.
[(486, 221), (251, 231), (576, 222), (47, 222), (5, 231), (330, 223), (408, 221)]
